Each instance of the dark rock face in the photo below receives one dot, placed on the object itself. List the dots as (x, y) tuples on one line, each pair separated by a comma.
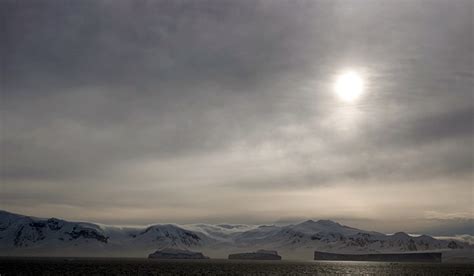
[(431, 257), (173, 253), (55, 224), (259, 255), (453, 245), (31, 232), (86, 233)]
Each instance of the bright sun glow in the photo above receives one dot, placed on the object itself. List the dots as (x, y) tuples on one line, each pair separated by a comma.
[(349, 86)]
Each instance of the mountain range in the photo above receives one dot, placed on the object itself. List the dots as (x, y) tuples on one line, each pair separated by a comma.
[(22, 235)]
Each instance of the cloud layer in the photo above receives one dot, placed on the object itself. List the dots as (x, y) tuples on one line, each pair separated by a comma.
[(135, 112)]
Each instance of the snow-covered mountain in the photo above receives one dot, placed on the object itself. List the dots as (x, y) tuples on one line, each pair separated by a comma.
[(24, 235)]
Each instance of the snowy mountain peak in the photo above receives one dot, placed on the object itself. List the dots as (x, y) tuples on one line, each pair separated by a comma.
[(401, 235), (325, 226), (327, 222)]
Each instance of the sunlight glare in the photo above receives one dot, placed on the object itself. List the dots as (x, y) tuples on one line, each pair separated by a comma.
[(349, 86)]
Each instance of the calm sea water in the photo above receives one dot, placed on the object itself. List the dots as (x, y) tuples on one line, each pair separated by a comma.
[(106, 266)]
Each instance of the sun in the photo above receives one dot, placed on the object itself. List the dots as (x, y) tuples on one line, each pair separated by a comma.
[(349, 86)]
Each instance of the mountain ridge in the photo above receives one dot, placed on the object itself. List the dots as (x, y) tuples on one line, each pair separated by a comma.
[(33, 236)]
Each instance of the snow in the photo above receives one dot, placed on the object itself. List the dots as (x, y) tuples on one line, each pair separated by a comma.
[(23, 235)]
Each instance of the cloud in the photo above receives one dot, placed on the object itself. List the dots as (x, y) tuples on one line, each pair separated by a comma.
[(143, 105)]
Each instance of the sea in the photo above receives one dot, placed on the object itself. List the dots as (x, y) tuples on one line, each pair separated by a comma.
[(130, 266)]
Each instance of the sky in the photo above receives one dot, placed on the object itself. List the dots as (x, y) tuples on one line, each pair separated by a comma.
[(139, 112)]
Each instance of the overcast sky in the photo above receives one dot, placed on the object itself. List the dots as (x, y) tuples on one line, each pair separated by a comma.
[(137, 112)]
